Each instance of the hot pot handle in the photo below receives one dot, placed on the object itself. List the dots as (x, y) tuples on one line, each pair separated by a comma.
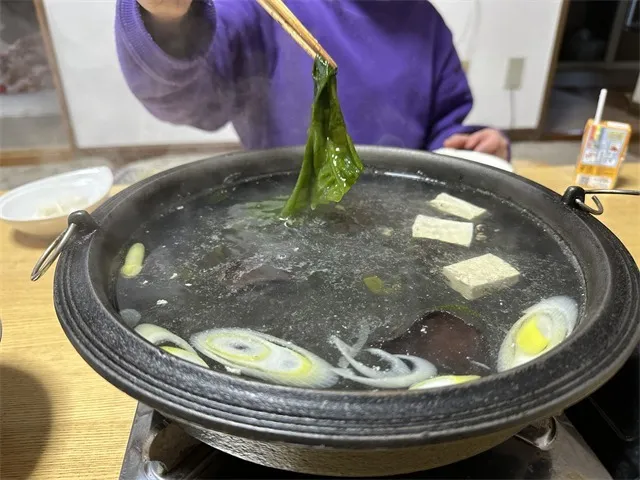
[(575, 197), (78, 222)]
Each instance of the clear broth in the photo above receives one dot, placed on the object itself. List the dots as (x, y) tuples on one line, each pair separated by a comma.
[(217, 260)]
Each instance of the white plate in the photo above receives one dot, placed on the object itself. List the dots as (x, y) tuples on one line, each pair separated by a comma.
[(41, 207), (478, 157)]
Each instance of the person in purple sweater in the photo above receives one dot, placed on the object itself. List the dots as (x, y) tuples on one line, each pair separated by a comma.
[(205, 63)]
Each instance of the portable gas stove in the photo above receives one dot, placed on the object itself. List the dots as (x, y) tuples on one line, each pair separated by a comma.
[(159, 449)]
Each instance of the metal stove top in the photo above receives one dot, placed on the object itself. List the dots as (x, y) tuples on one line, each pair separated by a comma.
[(553, 449)]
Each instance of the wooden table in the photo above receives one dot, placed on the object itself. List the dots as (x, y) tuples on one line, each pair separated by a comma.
[(61, 420)]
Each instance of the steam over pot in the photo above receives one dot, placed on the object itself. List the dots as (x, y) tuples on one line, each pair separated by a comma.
[(349, 433)]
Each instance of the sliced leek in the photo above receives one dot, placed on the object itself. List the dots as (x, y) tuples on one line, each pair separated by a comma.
[(133, 261), (263, 356), (161, 336), (540, 328), (421, 370), (185, 355), (363, 336), (397, 366), (443, 381)]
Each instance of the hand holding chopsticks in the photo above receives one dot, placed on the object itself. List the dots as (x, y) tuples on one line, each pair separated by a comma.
[(285, 17)]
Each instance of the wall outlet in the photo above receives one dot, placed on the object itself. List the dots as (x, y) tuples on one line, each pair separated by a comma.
[(515, 69), (465, 66)]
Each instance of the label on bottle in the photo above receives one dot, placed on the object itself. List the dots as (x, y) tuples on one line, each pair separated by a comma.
[(591, 181), (604, 146)]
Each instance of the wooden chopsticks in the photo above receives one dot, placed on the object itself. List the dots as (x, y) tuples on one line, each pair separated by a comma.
[(285, 17)]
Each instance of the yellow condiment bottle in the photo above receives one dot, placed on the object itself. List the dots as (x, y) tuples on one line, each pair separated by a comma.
[(604, 147)]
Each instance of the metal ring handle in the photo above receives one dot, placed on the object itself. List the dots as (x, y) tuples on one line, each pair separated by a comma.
[(576, 196), (614, 192), (52, 252), (586, 208)]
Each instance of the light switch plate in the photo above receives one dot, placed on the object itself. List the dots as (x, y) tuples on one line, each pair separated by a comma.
[(515, 70)]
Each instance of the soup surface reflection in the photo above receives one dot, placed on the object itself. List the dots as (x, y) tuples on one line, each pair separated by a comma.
[(346, 279)]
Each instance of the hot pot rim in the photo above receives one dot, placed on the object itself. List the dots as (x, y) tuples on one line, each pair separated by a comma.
[(361, 419)]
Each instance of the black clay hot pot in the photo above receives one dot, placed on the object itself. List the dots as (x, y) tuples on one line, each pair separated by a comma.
[(349, 433)]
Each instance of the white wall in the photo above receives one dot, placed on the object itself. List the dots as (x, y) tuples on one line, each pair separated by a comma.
[(487, 33), (104, 113)]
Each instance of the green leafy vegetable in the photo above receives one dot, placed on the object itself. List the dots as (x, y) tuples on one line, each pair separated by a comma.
[(256, 214), (376, 285), (331, 164), (266, 208)]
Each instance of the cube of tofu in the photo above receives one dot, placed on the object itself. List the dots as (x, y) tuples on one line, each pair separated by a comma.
[(457, 207), (450, 231), (480, 276)]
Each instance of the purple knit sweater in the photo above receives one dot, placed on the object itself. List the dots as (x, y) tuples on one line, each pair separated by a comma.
[(400, 81)]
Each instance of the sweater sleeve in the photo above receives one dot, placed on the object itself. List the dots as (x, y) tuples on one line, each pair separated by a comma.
[(452, 96), (208, 87), (452, 99)]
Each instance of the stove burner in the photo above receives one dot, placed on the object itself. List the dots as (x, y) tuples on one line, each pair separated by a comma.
[(159, 449)]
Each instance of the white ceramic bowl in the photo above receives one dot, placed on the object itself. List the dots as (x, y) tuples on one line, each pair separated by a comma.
[(478, 157), (41, 208)]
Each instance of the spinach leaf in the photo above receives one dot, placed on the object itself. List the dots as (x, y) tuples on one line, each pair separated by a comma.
[(331, 164)]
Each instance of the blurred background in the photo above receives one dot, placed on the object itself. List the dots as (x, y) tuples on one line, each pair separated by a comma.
[(64, 103)]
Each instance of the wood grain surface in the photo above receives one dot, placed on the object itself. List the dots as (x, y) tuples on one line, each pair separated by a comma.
[(60, 420)]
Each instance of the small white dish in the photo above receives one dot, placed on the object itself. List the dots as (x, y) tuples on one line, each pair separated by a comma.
[(41, 208), (478, 157)]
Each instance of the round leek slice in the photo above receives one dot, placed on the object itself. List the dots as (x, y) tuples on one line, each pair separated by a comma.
[(263, 356), (541, 328), (531, 338), (185, 355), (161, 336)]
